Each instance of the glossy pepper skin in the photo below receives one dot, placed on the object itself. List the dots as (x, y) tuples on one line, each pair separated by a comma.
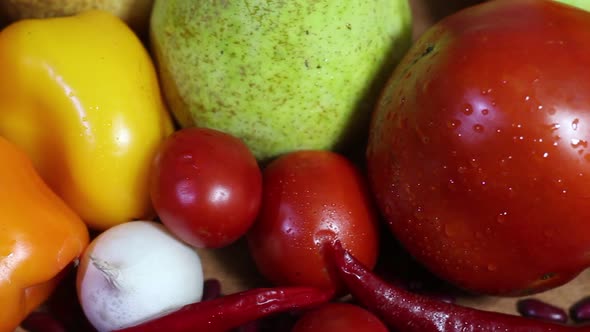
[(80, 95), (231, 311), (39, 236), (408, 312)]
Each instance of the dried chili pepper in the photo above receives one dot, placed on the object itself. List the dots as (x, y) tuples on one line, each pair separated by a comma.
[(230, 311), (408, 312)]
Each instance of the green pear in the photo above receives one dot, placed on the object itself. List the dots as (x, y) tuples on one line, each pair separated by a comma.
[(583, 4), (281, 75), (136, 13)]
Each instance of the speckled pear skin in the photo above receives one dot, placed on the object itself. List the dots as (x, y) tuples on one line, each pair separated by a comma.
[(282, 75)]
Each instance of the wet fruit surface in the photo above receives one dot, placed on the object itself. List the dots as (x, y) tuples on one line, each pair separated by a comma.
[(311, 198), (478, 152)]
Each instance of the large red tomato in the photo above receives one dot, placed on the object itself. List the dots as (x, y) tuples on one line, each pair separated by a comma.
[(308, 199), (478, 151)]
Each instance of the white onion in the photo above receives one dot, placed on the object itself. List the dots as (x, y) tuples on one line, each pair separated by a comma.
[(134, 272)]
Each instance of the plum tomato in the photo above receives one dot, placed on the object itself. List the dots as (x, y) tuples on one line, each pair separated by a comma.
[(310, 197), (340, 317), (206, 186), (478, 151)]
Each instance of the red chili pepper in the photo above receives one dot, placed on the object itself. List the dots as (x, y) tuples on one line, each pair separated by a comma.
[(230, 311), (409, 312)]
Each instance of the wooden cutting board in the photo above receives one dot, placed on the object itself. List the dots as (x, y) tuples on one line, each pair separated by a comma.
[(234, 268)]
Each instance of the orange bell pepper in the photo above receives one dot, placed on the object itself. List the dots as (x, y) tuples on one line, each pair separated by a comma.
[(39, 237)]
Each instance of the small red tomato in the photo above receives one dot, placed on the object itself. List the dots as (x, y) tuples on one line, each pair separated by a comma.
[(341, 317), (310, 197), (206, 186)]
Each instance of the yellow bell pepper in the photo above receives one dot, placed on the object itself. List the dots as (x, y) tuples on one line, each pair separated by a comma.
[(39, 236), (80, 95)]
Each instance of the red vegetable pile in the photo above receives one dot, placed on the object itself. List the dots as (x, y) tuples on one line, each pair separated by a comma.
[(477, 163)]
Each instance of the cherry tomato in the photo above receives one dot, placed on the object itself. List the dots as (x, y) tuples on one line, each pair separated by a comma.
[(478, 151), (206, 186), (310, 197), (339, 317)]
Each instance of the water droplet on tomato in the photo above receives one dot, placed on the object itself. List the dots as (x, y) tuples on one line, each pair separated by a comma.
[(323, 236), (419, 213), (468, 109), (575, 124), (492, 267), (502, 217), (558, 182), (485, 111), (551, 111), (554, 126), (575, 143), (478, 128), (453, 124), (451, 185)]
